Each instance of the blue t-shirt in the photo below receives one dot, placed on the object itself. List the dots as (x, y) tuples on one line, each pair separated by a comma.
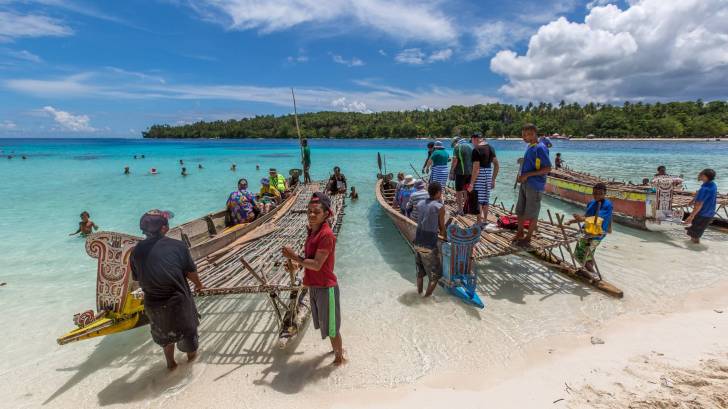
[(707, 195), (536, 158), (605, 212)]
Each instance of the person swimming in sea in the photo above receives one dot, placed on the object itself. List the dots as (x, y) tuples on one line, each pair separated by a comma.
[(353, 194), (199, 166), (86, 226), (153, 171), (233, 167), (181, 162), (126, 170), (142, 156), (184, 171)]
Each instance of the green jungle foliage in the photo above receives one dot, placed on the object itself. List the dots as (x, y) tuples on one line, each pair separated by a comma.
[(674, 119)]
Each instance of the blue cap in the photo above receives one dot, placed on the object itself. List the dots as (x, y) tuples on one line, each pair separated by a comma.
[(265, 181), (439, 145)]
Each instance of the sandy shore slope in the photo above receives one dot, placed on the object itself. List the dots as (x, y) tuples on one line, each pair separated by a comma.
[(678, 360)]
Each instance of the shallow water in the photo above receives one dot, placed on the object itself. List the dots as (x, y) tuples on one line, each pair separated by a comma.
[(392, 336)]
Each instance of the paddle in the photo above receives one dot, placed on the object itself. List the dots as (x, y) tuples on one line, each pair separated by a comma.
[(520, 169), (379, 163)]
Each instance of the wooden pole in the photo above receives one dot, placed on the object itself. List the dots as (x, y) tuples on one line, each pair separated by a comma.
[(298, 128)]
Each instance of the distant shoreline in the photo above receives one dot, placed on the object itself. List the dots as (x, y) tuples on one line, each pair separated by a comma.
[(510, 138)]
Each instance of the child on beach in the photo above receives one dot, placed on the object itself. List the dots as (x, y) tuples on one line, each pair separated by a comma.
[(703, 206), (318, 263), (86, 226), (558, 161), (597, 223)]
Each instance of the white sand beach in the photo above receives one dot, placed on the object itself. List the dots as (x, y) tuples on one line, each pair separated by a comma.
[(533, 339)]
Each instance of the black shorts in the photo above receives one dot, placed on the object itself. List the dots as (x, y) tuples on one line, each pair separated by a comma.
[(698, 226), (461, 181), (174, 323)]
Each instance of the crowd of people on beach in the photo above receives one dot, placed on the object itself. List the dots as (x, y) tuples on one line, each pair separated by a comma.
[(162, 265)]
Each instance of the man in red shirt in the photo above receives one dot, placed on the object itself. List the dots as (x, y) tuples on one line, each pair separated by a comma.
[(318, 263)]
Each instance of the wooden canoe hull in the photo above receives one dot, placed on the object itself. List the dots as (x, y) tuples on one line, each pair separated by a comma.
[(630, 208), (206, 234)]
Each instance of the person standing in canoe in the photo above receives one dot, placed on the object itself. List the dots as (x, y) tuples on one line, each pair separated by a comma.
[(306, 161), (430, 225), (704, 206), (534, 168), (430, 149), (461, 168), (438, 165), (597, 221), (318, 263), (485, 171), (162, 266)]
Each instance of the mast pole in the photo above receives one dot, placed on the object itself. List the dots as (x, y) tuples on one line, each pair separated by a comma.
[(298, 129)]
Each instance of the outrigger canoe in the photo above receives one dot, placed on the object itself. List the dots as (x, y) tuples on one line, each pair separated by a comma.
[(658, 206), (553, 245), (119, 303)]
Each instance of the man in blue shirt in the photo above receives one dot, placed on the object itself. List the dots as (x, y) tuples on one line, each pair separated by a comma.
[(599, 208), (703, 206), (535, 165)]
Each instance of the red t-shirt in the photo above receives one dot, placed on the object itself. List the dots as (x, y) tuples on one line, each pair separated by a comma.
[(324, 239)]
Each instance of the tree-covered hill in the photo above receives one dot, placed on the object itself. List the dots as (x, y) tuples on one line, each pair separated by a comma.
[(673, 119)]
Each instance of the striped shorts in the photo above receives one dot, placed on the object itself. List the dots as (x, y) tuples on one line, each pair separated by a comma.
[(439, 174), (483, 184)]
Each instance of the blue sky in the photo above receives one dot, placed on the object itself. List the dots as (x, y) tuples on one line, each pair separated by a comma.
[(83, 68)]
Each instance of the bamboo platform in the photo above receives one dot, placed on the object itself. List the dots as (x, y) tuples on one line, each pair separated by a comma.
[(553, 244), (255, 264), (244, 259)]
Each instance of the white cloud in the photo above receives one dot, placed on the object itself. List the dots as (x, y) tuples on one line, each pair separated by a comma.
[(13, 25), (68, 121), (492, 36), (8, 125), (382, 52), (440, 55), (416, 56), (350, 106), (376, 97), (598, 3), (300, 58), (654, 49), (24, 55), (400, 19), (353, 62), (413, 56)]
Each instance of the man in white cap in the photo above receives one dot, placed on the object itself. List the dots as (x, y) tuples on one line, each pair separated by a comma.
[(404, 193), (162, 267)]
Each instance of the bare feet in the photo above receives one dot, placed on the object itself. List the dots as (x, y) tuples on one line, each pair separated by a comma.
[(339, 361), (191, 356), (171, 365)]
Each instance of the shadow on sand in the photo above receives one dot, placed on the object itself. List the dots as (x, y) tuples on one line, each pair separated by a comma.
[(234, 330)]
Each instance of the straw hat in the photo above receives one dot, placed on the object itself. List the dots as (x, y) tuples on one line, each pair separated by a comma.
[(409, 180)]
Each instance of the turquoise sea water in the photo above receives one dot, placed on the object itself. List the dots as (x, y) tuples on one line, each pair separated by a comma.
[(49, 277)]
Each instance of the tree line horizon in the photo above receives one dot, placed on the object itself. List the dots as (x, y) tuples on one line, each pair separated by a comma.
[(696, 119)]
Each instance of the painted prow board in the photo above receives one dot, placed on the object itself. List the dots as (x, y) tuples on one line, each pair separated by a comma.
[(457, 262)]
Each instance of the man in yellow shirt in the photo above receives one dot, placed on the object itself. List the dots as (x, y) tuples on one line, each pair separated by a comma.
[(268, 196), (277, 181)]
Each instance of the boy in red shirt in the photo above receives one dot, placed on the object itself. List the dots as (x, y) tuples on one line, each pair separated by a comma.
[(318, 263)]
